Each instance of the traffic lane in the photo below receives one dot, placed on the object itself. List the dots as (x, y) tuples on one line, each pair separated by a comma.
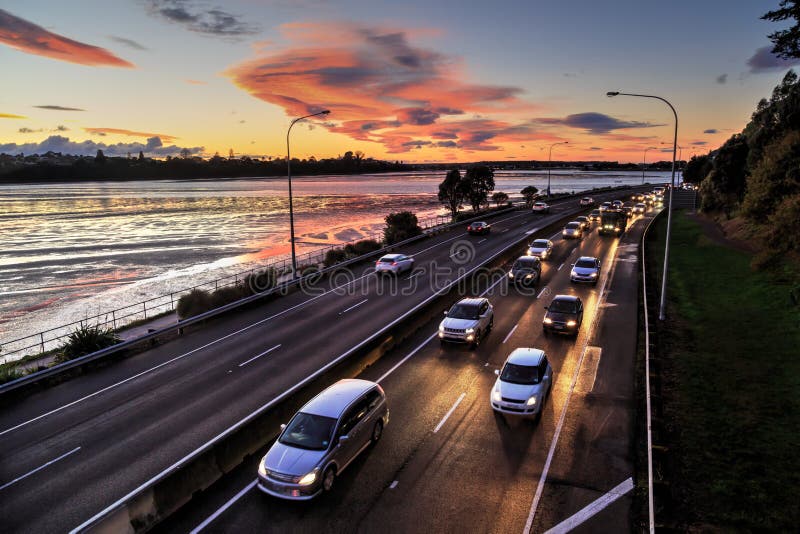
[(597, 451)]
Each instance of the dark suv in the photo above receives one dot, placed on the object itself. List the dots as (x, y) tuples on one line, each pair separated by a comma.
[(564, 315), (526, 270)]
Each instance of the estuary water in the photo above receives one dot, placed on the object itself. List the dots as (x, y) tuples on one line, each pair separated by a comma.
[(70, 251)]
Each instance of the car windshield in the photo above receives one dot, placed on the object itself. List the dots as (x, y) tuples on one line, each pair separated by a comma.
[(573, 225), (595, 212), (308, 431), (463, 311), (585, 264), (525, 263), (562, 306), (520, 374), (539, 243)]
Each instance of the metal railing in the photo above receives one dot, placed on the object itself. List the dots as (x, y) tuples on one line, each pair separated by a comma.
[(118, 318)]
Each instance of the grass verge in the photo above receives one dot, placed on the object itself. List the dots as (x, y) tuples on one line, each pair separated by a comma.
[(730, 386)]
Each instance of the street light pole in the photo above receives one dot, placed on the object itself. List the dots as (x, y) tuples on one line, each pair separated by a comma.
[(289, 174), (549, 159), (644, 160), (663, 303)]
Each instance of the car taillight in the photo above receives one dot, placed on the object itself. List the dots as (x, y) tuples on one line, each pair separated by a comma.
[(394, 263), (377, 263)]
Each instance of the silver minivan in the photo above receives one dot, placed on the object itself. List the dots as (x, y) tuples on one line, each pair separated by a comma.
[(322, 439)]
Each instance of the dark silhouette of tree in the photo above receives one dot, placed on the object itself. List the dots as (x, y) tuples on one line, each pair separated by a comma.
[(400, 226), (185, 153), (499, 198), (100, 157), (786, 43), (697, 168), (529, 194), (141, 156), (478, 182), (451, 191)]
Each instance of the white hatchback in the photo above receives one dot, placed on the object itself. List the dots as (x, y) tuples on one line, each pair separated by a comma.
[(394, 264), (523, 383)]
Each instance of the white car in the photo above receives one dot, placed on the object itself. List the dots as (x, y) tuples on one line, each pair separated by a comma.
[(523, 383), (394, 264), (586, 269), (640, 208), (573, 230), (467, 321), (586, 201), (541, 207), (541, 248)]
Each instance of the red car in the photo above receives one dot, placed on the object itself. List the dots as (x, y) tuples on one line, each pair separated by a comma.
[(479, 228)]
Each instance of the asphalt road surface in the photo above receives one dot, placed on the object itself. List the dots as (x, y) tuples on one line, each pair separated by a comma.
[(69, 451), (447, 463)]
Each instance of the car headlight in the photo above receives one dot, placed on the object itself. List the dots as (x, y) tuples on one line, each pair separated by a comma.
[(529, 253), (309, 478), (496, 395), (593, 275), (469, 331), (573, 273), (511, 275), (531, 401), (262, 471), (571, 323), (548, 320), (564, 232), (441, 328), (528, 276)]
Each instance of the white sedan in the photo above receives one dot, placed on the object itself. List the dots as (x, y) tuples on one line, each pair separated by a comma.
[(394, 264), (541, 207), (541, 248)]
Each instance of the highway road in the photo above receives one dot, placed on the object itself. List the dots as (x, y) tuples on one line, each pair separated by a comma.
[(447, 463), (69, 451)]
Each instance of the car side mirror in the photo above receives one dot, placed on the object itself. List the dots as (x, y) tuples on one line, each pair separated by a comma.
[(497, 372), (343, 439), (283, 427)]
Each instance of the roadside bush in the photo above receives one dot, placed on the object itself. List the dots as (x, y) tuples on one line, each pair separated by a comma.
[(226, 295), (260, 281), (85, 340), (334, 256), (9, 373), (194, 303), (365, 246), (401, 226)]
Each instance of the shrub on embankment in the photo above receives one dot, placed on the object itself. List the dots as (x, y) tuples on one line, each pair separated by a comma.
[(85, 340), (199, 301), (351, 250)]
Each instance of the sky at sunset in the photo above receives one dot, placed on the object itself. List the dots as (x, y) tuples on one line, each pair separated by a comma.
[(414, 81)]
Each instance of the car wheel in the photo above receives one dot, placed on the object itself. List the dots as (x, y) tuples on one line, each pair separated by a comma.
[(377, 431), (328, 478), (546, 332), (491, 324), (477, 340)]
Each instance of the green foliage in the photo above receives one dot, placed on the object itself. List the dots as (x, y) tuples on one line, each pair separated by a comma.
[(401, 226), (9, 373), (773, 118), (225, 295), (85, 340), (697, 169), (786, 42), (783, 235), (359, 248), (529, 194), (334, 256), (478, 182), (451, 191), (499, 198), (195, 302), (775, 177), (260, 281)]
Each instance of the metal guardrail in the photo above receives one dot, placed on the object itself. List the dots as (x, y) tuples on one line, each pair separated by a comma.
[(280, 288), (44, 340)]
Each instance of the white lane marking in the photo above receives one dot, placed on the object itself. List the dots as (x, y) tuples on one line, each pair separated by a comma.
[(481, 241), (260, 355), (506, 230), (592, 509), (449, 413), (353, 306), (529, 232), (26, 475), (393, 485), (511, 332), (416, 273), (543, 477), (224, 507), (541, 292), (401, 362)]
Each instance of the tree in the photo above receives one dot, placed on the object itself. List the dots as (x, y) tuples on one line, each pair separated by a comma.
[(401, 226), (141, 156), (786, 42), (499, 198), (230, 153), (478, 183), (451, 191), (730, 165), (697, 169), (100, 157), (185, 153), (529, 194), (776, 178)]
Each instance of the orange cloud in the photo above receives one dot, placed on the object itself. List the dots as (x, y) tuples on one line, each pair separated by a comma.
[(382, 89), (119, 131), (11, 116), (195, 82), (32, 39)]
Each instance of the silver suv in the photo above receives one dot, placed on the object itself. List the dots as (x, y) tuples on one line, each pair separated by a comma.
[(322, 439), (467, 321)]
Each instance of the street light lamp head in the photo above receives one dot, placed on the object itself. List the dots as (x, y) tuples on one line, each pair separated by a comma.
[(612, 93)]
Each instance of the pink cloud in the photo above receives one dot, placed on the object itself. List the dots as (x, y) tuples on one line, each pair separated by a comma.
[(32, 39), (381, 88)]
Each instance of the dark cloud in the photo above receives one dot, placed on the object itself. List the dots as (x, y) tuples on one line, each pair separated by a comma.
[(417, 116), (711, 131), (700, 143), (58, 143), (61, 128), (59, 108), (765, 61), (595, 148), (197, 18), (28, 130), (449, 111), (417, 143), (722, 78), (128, 42), (596, 123), (30, 38), (447, 144)]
